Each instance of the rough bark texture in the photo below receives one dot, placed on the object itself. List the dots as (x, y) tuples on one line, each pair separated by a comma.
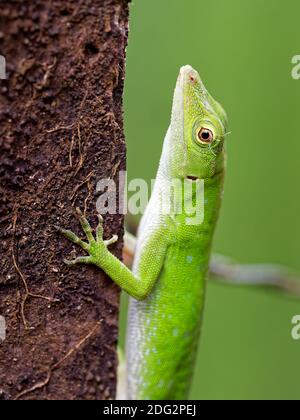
[(61, 131)]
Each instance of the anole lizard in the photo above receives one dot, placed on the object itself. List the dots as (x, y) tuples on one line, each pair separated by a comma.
[(167, 282)]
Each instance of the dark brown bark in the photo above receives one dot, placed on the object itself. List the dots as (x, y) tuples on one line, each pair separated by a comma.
[(61, 131)]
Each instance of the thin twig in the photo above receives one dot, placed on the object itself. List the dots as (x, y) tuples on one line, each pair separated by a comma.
[(71, 150), (61, 127), (27, 292), (87, 197), (223, 269), (80, 162), (114, 170), (56, 365), (81, 184)]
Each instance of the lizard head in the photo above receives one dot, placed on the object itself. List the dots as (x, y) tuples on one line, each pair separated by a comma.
[(198, 127)]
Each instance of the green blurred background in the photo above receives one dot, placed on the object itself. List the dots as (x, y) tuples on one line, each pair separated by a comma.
[(243, 51)]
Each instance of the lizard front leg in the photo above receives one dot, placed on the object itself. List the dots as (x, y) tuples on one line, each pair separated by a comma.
[(151, 262)]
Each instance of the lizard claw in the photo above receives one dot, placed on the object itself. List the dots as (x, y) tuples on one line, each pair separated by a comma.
[(79, 260), (112, 240), (79, 212)]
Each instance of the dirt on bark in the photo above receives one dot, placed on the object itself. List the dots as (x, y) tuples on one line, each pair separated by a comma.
[(61, 130)]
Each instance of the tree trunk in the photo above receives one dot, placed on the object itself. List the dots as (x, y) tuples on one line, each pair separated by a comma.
[(61, 131)]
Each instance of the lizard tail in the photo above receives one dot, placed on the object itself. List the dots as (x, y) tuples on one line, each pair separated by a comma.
[(122, 373)]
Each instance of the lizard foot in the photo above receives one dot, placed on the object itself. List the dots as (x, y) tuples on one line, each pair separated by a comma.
[(96, 247)]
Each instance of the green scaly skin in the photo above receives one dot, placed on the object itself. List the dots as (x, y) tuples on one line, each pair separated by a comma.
[(167, 283)]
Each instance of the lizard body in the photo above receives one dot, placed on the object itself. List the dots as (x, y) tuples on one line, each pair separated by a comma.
[(167, 282)]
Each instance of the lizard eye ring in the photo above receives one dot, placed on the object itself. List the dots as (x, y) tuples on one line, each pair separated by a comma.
[(205, 136)]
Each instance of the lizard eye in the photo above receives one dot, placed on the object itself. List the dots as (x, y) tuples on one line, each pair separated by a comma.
[(205, 136)]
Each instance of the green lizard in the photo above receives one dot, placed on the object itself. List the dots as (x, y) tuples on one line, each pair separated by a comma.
[(167, 282)]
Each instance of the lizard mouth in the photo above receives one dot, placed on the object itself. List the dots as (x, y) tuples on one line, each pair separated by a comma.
[(192, 178)]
